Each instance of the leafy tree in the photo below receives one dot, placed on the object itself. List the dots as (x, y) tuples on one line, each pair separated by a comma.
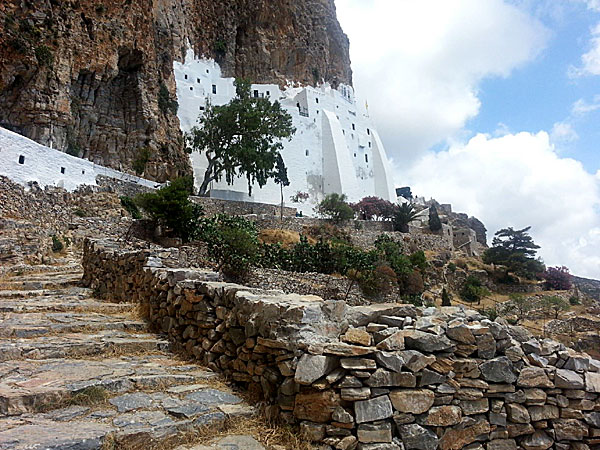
[(370, 207), (129, 205), (555, 305), (242, 138), (335, 207), (170, 207), (473, 290), (519, 305), (435, 224), (446, 298), (403, 215), (281, 178), (516, 250), (557, 278), (377, 282)]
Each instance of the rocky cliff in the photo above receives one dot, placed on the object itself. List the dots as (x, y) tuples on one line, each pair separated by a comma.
[(95, 78)]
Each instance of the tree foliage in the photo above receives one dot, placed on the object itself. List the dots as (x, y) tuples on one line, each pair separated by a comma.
[(553, 305), (473, 290), (519, 305), (335, 208), (557, 278), (403, 215), (516, 250), (446, 298), (241, 138), (369, 208), (435, 224), (170, 207)]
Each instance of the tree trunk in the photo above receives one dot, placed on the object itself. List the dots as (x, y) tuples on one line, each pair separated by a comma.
[(208, 177), (281, 209)]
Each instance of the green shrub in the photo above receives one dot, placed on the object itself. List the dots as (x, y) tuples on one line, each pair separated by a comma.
[(80, 212), (139, 163), (165, 103), (44, 56), (377, 282), (418, 260), (232, 241), (574, 300), (57, 245), (411, 284), (335, 208), (490, 313), (329, 232), (170, 207), (435, 224), (553, 305), (129, 205), (451, 267), (473, 290), (446, 298)]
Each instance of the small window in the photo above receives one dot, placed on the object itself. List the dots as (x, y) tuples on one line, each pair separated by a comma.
[(317, 100), (368, 132), (317, 111), (306, 152), (369, 145), (202, 108), (353, 127), (185, 76), (268, 93), (366, 158), (355, 155), (83, 172), (197, 80), (191, 88), (344, 132), (62, 170), (207, 71), (214, 88), (256, 93), (21, 159)]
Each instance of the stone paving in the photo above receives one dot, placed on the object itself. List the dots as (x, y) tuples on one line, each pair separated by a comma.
[(77, 373)]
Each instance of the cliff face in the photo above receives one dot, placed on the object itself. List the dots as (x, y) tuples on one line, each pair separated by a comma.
[(95, 78)]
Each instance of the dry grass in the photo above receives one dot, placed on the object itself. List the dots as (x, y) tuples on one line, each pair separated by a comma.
[(286, 238)]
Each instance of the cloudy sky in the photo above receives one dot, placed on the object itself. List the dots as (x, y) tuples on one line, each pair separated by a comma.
[(493, 106)]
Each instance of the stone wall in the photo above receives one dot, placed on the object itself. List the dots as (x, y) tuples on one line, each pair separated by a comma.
[(370, 377), (214, 206)]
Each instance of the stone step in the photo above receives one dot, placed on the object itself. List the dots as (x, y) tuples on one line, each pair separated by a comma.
[(40, 282), (139, 420), (79, 345), (17, 325), (30, 293), (63, 303), (30, 386)]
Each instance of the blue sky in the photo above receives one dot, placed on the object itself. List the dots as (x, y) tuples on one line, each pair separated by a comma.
[(541, 93), (493, 106)]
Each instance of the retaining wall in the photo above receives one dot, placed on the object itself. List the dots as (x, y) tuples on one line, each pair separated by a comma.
[(369, 377)]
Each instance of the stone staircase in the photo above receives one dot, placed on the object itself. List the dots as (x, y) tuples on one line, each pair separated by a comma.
[(78, 373)]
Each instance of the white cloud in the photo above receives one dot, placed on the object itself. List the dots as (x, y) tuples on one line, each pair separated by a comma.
[(590, 61), (562, 133), (581, 107), (519, 180), (420, 63)]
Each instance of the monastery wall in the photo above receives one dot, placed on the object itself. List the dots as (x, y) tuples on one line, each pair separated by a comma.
[(23, 160), (335, 147)]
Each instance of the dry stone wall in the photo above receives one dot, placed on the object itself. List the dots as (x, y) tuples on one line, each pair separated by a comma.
[(384, 376)]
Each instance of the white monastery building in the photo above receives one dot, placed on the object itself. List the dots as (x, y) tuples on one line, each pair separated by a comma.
[(335, 148)]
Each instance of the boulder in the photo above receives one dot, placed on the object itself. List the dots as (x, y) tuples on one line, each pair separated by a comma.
[(498, 370), (377, 408), (569, 430), (412, 401), (312, 367)]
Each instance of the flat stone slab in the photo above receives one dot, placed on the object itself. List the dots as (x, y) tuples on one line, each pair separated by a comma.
[(55, 435), (233, 442)]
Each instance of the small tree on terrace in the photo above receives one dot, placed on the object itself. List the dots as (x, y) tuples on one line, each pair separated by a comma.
[(370, 207), (555, 305), (435, 224), (281, 178), (519, 305), (557, 278), (403, 215), (334, 207), (242, 138)]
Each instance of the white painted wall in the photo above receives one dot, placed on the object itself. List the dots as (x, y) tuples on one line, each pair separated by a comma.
[(335, 148), (51, 167)]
